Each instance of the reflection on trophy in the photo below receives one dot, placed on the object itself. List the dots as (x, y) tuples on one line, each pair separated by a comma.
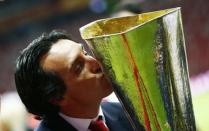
[(144, 58)]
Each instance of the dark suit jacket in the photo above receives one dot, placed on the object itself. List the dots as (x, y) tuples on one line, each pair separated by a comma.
[(113, 113)]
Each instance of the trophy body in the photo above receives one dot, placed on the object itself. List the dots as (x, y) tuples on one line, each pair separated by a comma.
[(144, 57)]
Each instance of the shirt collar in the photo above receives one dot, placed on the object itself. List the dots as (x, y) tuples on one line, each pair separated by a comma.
[(79, 123)]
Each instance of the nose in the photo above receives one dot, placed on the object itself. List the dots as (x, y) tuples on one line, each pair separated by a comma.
[(93, 65)]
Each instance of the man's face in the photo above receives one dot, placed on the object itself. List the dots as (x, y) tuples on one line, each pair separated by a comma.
[(82, 74)]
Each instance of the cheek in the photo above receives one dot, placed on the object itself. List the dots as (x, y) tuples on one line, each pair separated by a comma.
[(82, 93), (87, 87), (88, 84), (82, 85)]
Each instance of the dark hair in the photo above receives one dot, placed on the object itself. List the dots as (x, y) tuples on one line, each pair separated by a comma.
[(35, 86)]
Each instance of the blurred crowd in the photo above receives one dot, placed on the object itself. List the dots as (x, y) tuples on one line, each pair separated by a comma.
[(13, 116)]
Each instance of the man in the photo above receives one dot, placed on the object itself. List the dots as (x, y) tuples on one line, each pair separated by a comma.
[(64, 86)]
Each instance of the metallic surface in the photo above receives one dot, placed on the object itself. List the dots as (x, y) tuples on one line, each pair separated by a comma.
[(145, 59)]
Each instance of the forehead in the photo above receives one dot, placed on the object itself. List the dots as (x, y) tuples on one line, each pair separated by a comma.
[(61, 54), (64, 46)]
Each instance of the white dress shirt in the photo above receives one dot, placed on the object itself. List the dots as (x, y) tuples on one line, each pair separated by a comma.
[(79, 123)]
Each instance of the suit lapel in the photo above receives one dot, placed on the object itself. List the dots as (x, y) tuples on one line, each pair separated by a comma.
[(115, 117)]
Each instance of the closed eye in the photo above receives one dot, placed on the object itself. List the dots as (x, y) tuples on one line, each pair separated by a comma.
[(78, 66), (79, 62)]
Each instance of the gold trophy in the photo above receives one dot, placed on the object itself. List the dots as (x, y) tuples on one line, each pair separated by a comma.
[(144, 57)]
